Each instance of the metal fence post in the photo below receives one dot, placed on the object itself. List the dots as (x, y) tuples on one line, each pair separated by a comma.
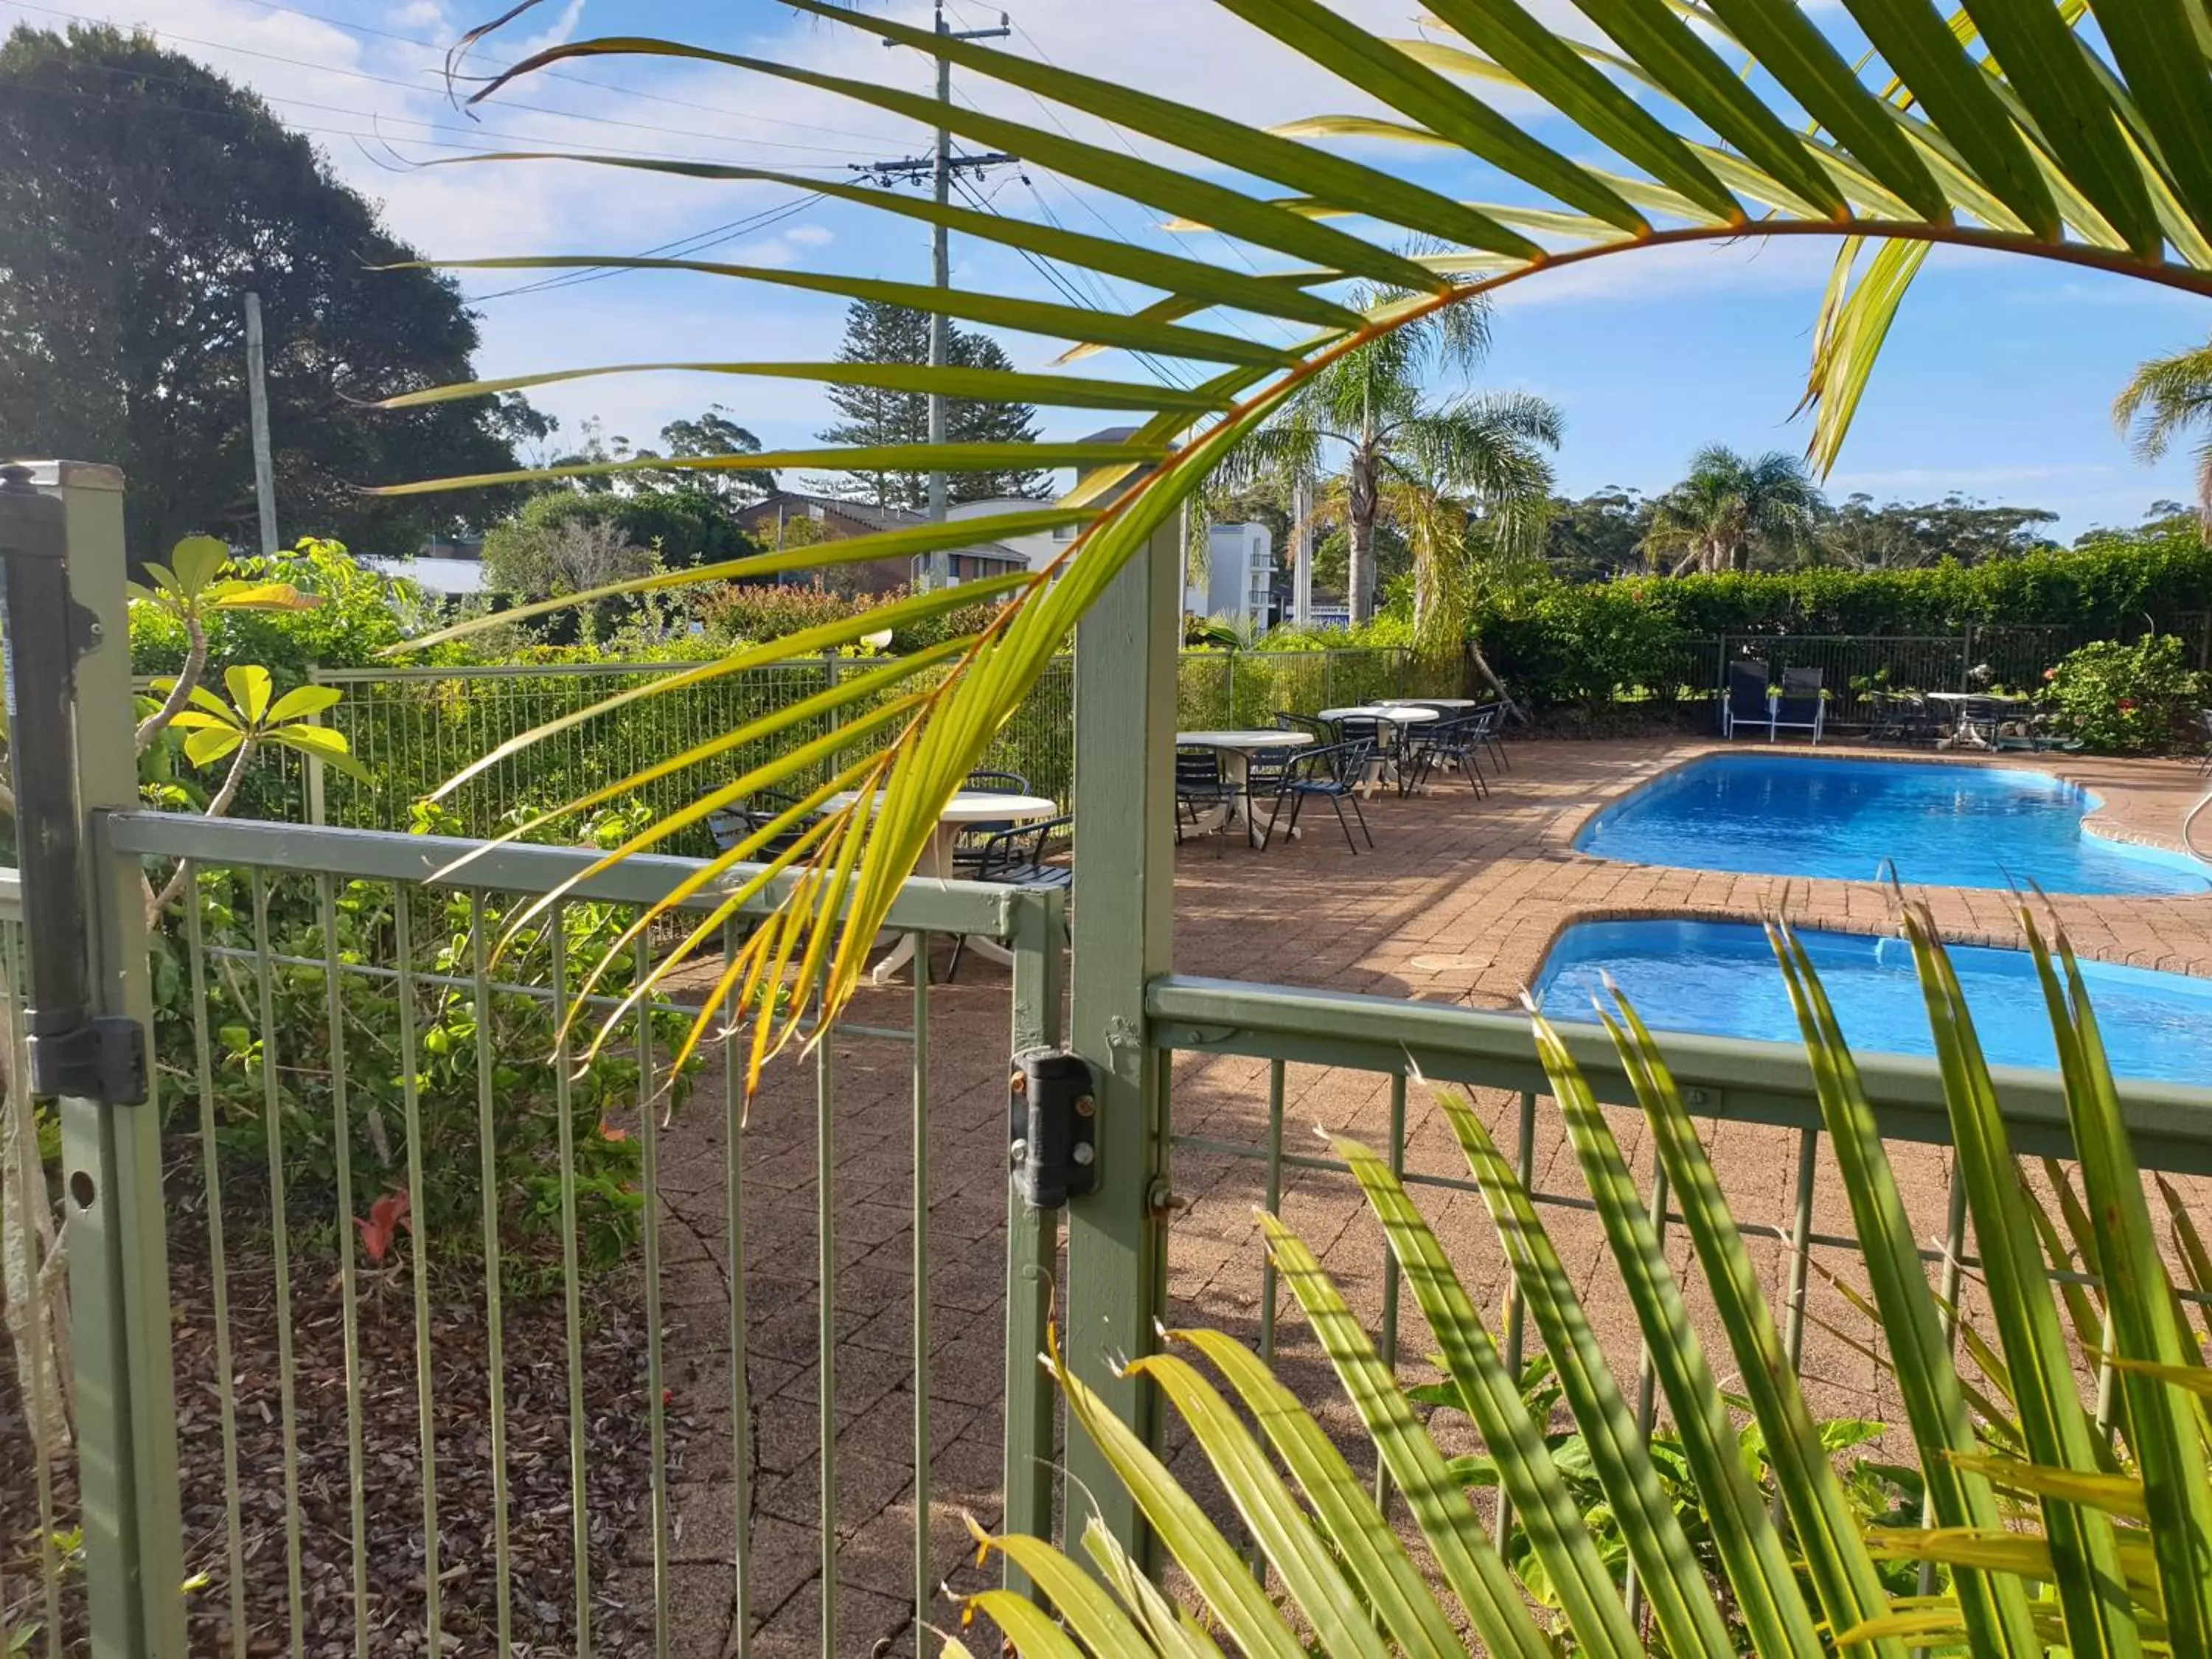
[(116, 1235), (318, 808), (1124, 902)]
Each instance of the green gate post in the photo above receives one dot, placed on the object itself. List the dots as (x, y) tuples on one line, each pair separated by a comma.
[(1124, 899), (118, 1269)]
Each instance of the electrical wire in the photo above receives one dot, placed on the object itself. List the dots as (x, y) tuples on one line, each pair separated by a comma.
[(440, 47), (324, 68), (682, 247)]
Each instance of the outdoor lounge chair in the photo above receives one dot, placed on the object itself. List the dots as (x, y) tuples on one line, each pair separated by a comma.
[(1800, 707), (1745, 703), (967, 848)]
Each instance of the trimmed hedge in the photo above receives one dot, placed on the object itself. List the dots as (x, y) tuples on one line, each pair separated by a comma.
[(1557, 643)]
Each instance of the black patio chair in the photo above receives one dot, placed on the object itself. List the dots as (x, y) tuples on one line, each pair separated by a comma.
[(1458, 742), (730, 825), (2204, 725), (1022, 856), (1331, 774), (1200, 788), (1801, 706), (1746, 702), (967, 845), (1312, 725), (1483, 723)]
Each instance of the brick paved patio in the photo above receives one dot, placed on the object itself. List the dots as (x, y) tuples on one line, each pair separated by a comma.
[(1458, 904)]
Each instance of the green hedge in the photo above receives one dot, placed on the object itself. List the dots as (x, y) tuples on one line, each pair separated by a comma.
[(1560, 644)]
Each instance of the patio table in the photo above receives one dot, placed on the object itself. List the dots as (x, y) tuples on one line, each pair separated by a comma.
[(1960, 701), (1445, 703), (963, 811), (1237, 749)]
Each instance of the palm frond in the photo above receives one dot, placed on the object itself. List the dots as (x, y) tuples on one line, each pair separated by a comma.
[(2010, 130)]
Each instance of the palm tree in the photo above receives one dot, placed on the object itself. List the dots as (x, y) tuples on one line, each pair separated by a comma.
[(1399, 450), (2165, 397), (1728, 505)]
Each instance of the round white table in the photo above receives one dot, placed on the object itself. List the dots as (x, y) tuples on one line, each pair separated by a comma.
[(963, 811), (1429, 702), (1237, 749), (1398, 714)]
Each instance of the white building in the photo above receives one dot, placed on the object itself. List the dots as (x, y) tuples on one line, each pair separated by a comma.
[(1238, 584)]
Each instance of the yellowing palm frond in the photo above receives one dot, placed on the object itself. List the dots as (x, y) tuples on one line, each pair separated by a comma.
[(2094, 152)]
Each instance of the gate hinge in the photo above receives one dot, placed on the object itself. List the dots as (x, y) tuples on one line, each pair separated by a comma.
[(102, 1060), (1053, 1127)]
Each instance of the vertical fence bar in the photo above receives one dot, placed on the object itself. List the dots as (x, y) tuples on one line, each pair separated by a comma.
[(280, 1256), (921, 1516), (1125, 713), (28, 1186), (410, 1101), (1397, 1156), (656, 1396), (741, 1416), (494, 1307), (1516, 1313), (350, 1289), (564, 1108), (1032, 1247), (120, 1329), (825, 1370)]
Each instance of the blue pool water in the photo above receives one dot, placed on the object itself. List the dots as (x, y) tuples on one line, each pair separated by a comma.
[(1721, 979), (1942, 826)]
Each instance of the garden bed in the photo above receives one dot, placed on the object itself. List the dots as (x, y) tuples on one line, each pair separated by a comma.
[(617, 1461)]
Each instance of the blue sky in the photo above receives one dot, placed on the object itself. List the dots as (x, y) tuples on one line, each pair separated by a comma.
[(1996, 382)]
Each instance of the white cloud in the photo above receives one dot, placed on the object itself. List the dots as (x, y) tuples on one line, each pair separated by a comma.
[(811, 236)]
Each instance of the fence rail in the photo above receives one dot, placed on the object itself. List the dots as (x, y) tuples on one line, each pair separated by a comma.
[(415, 727)]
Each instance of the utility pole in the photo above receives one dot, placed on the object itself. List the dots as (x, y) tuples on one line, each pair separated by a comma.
[(940, 167), (256, 396)]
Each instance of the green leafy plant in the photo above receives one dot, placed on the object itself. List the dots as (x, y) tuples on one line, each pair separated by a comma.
[(2064, 1536), (536, 1103), (2122, 699)]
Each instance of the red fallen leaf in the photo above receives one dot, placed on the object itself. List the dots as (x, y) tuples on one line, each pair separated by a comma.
[(381, 1225)]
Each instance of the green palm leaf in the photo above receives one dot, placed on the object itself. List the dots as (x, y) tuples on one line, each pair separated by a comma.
[(2009, 130)]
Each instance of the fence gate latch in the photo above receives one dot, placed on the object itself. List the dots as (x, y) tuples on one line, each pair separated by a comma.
[(1053, 1126)]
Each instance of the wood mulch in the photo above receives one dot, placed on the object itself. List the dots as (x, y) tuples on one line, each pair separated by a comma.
[(542, 1580)]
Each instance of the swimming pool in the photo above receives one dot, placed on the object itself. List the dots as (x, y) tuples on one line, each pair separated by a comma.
[(1721, 979), (1943, 825)]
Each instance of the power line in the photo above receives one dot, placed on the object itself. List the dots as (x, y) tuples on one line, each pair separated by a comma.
[(440, 47), (324, 68), (683, 247)]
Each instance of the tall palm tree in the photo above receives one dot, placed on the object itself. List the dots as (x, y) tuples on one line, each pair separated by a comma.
[(2164, 399), (1728, 505), (1371, 404)]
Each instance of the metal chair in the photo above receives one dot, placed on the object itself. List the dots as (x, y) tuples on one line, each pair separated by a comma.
[(1746, 702), (1486, 733), (1459, 743), (1312, 726), (1800, 707), (731, 825), (2204, 723), (967, 846), (1199, 788), (1020, 857), (1331, 774)]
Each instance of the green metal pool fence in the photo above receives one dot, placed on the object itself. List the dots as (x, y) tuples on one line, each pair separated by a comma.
[(413, 728)]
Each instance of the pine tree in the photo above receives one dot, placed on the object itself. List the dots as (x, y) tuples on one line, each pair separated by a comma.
[(877, 332)]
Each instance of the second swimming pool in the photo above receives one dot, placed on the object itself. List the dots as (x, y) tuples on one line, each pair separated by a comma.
[(1940, 824)]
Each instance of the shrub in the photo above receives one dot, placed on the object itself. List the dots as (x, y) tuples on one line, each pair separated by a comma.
[(514, 1022), (2129, 699)]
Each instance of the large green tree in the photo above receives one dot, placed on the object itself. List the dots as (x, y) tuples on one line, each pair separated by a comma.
[(877, 331), (141, 197)]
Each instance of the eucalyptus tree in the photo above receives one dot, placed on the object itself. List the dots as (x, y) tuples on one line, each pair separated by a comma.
[(1366, 424), (1731, 505)]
